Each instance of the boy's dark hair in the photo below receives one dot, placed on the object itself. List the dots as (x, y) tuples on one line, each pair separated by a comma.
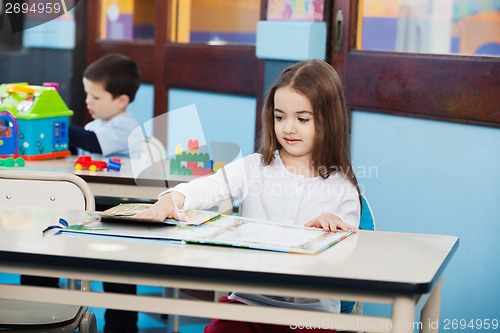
[(118, 74)]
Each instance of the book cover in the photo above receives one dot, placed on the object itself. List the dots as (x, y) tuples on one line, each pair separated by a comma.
[(126, 212)]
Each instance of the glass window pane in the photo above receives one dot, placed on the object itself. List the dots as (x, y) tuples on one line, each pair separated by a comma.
[(215, 21), (127, 19), (430, 26)]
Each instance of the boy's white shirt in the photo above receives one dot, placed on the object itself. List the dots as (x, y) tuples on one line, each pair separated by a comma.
[(113, 136), (274, 194)]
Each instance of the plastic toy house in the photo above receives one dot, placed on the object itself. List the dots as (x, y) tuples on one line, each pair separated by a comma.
[(34, 122)]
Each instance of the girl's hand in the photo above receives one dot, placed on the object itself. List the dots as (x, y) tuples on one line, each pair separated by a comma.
[(329, 222), (167, 206)]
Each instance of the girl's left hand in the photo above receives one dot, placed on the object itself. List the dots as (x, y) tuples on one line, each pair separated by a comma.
[(329, 222)]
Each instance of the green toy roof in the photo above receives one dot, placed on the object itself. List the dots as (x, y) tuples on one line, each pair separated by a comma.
[(47, 101)]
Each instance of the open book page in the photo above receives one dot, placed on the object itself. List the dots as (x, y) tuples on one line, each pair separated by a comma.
[(227, 230), (243, 232), (126, 212)]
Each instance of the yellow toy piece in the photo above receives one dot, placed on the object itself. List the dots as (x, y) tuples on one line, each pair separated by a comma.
[(218, 165), (16, 88)]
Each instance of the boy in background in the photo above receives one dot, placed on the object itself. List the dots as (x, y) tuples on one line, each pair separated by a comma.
[(111, 83)]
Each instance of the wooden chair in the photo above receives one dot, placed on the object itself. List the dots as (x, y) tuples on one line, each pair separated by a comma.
[(51, 190)]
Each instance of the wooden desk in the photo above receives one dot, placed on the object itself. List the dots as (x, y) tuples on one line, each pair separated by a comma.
[(394, 268), (129, 183)]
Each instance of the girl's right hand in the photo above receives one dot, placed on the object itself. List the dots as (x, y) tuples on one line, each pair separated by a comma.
[(167, 206)]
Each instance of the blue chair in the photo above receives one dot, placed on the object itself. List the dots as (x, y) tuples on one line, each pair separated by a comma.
[(366, 222)]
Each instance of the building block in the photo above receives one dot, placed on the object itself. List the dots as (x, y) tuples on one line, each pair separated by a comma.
[(193, 146), (218, 165), (192, 162), (114, 164)]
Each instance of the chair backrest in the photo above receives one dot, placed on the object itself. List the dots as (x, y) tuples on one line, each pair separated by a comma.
[(47, 190), (152, 158), (44, 189), (152, 149), (367, 221)]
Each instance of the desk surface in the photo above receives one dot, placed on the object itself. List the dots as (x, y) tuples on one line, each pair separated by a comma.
[(136, 179), (380, 262)]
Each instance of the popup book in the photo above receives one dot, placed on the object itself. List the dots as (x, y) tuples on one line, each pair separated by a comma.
[(223, 230)]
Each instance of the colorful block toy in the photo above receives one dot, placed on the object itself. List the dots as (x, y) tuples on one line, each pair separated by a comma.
[(34, 122), (192, 162)]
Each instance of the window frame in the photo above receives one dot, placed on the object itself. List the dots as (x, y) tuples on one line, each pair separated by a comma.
[(453, 88), (225, 69)]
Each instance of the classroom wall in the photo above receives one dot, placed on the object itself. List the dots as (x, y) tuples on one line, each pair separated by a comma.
[(220, 118), (143, 107), (428, 176), (36, 65)]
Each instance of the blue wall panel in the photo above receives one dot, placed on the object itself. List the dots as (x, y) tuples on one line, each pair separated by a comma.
[(143, 107), (436, 177), (291, 40), (223, 118)]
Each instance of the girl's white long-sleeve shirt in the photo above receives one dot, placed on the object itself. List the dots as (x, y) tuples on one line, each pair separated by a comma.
[(274, 194)]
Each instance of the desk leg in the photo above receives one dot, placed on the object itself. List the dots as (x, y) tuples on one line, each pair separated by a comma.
[(176, 325), (403, 314), (174, 319), (85, 285), (430, 312)]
